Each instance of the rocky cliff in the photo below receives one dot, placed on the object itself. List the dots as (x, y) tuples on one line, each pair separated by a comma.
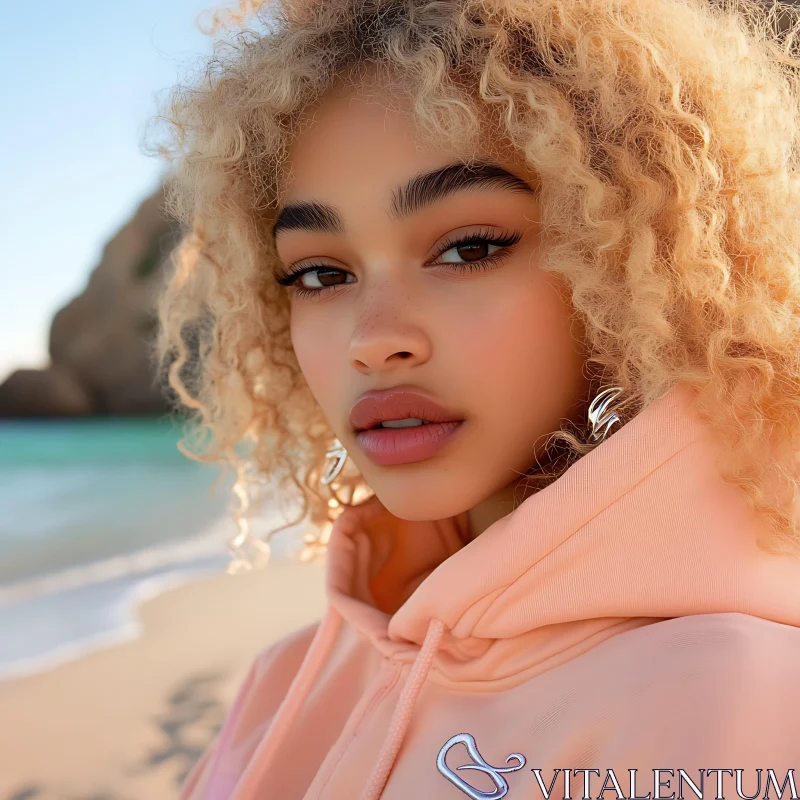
[(100, 342)]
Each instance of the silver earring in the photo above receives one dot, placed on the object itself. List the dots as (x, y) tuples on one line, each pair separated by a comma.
[(597, 412), (336, 456)]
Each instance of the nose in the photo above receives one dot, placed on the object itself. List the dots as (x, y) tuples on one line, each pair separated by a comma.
[(386, 341)]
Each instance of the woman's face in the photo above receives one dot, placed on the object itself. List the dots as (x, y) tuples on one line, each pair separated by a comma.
[(433, 287)]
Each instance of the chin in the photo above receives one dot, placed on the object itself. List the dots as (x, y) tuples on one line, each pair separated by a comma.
[(423, 497)]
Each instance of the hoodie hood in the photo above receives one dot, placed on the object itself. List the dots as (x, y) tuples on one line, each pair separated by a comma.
[(641, 529)]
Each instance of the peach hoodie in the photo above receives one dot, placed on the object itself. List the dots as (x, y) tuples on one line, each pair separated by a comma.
[(621, 618)]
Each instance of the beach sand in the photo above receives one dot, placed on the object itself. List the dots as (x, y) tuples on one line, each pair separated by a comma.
[(127, 722)]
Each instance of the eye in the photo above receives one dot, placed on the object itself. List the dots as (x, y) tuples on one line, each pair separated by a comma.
[(473, 250), (314, 278), (477, 250)]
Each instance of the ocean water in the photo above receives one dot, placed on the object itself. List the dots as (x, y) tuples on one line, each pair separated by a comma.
[(97, 515)]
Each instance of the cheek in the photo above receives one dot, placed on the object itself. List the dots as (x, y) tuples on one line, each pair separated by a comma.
[(315, 339), (520, 351)]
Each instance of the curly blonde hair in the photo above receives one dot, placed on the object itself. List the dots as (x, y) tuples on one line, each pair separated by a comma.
[(664, 134)]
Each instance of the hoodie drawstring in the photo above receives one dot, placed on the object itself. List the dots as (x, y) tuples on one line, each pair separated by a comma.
[(403, 711), (250, 784)]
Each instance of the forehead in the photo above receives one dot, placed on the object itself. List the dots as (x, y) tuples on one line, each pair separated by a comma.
[(349, 135), (367, 136)]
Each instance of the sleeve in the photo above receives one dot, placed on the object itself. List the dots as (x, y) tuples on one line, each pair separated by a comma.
[(257, 699), (199, 772), (198, 779)]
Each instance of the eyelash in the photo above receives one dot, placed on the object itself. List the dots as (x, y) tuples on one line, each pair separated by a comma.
[(506, 240)]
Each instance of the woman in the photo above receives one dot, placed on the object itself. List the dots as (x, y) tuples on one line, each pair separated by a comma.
[(510, 290)]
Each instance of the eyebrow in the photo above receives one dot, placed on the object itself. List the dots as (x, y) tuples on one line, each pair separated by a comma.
[(419, 192)]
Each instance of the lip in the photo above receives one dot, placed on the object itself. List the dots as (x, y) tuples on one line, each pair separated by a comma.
[(386, 446), (399, 402)]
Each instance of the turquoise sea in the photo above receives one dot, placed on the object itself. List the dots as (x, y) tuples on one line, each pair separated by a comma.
[(96, 515)]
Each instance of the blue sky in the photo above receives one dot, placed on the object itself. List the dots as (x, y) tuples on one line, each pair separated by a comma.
[(80, 80)]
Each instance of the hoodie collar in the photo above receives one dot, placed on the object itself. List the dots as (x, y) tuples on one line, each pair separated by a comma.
[(642, 528)]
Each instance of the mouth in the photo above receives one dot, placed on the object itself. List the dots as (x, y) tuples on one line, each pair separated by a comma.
[(402, 425)]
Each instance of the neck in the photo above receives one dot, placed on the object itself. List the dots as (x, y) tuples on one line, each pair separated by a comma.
[(504, 501), (496, 506)]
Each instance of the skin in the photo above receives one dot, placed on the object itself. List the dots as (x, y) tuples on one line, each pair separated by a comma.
[(500, 346)]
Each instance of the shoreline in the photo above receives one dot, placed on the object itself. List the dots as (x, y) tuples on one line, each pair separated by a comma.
[(121, 599), (51, 618), (124, 624), (129, 719)]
